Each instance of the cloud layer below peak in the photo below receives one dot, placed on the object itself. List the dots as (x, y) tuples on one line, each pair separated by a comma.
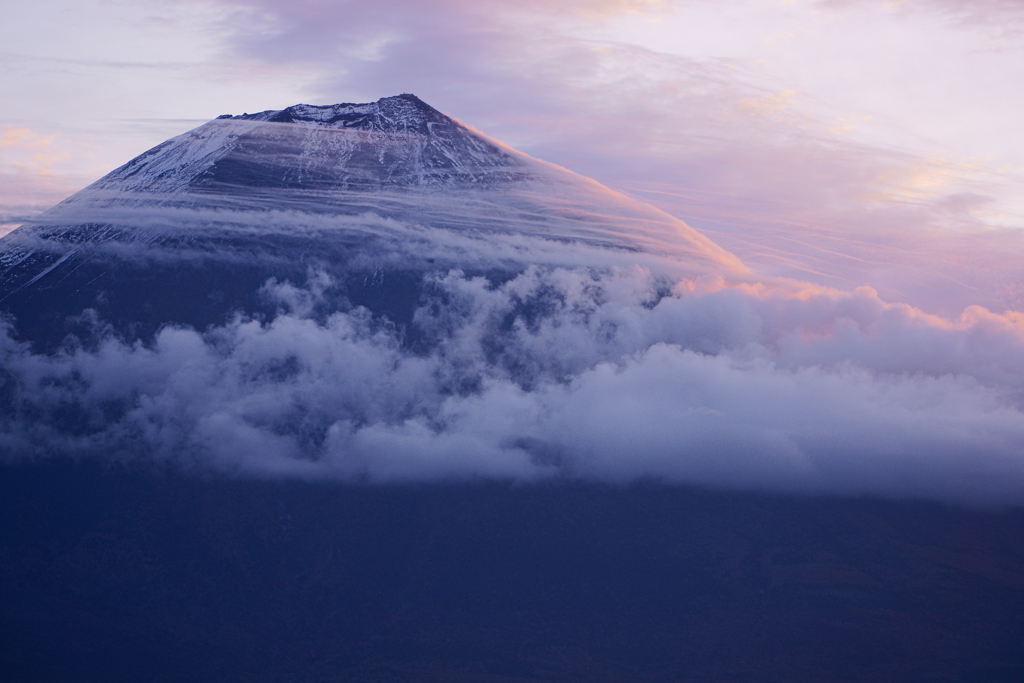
[(611, 375)]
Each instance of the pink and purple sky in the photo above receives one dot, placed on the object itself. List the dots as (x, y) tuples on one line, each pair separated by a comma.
[(857, 155), (845, 142)]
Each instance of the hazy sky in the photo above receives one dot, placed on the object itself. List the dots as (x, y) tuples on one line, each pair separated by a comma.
[(843, 142)]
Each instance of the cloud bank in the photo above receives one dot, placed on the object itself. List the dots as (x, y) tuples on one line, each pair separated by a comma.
[(613, 375)]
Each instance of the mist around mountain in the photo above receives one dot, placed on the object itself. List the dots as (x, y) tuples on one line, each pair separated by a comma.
[(375, 292)]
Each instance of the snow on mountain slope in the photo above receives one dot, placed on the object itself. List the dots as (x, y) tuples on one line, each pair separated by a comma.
[(396, 159)]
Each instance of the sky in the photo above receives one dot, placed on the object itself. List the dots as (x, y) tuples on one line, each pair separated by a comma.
[(844, 142), (860, 157)]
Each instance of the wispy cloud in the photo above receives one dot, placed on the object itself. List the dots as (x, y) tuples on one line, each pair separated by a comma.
[(29, 181), (989, 11), (793, 185)]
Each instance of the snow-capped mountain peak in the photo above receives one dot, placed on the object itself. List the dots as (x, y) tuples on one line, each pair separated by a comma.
[(404, 113), (351, 189), (394, 142)]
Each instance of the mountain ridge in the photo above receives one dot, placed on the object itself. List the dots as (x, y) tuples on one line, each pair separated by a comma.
[(398, 113), (348, 189), (397, 140)]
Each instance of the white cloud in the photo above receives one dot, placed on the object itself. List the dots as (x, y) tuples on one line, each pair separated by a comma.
[(559, 372)]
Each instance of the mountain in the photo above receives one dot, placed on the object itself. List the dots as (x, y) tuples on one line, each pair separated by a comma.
[(376, 193), (357, 393)]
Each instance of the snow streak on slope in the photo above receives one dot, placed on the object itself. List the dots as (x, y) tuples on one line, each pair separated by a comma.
[(394, 159)]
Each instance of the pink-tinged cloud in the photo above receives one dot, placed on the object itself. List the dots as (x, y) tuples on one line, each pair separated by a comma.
[(707, 140), (29, 181)]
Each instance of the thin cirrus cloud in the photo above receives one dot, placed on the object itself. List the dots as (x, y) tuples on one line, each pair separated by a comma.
[(793, 184), (28, 182), (974, 10)]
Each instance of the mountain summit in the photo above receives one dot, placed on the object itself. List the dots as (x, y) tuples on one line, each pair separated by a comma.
[(187, 232), (404, 113), (396, 141)]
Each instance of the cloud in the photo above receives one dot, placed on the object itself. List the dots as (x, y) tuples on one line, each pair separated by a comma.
[(801, 183), (559, 372), (794, 184), (28, 182), (986, 11)]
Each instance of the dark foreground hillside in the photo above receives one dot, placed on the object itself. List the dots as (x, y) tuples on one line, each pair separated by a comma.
[(111, 575)]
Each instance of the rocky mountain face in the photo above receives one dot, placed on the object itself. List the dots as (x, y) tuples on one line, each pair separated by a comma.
[(374, 195), (394, 142)]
